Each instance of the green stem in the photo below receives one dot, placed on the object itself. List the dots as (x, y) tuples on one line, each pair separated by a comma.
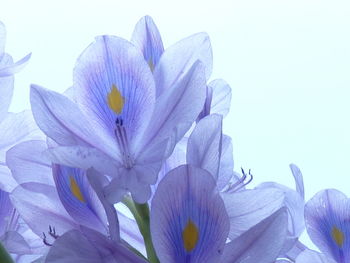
[(4, 256), (141, 214)]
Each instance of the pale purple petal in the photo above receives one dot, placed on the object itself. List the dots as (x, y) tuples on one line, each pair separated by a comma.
[(147, 38), (327, 222), (178, 107), (179, 58), (310, 256), (28, 163), (112, 65), (60, 119), (261, 243), (221, 97), (98, 182), (249, 207), (40, 208), (294, 204), (188, 218), (6, 84), (13, 68), (204, 144), (298, 177), (73, 247), (226, 163), (2, 38)]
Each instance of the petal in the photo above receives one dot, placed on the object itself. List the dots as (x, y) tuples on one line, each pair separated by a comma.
[(2, 38), (13, 68), (179, 58), (298, 177), (177, 108), (327, 222), (7, 183), (110, 250), (226, 163), (312, 256), (15, 243), (15, 128), (247, 208), (113, 81), (130, 232), (28, 163), (295, 207), (78, 198), (221, 97), (61, 119), (6, 84), (188, 218), (261, 243), (204, 144), (40, 207), (73, 247), (6, 209), (98, 181), (147, 38)]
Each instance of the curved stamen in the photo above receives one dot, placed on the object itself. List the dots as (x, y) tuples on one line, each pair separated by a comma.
[(241, 182), (122, 140), (52, 233)]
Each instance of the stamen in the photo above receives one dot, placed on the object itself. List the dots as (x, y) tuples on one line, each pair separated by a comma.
[(52, 233), (122, 140), (242, 182)]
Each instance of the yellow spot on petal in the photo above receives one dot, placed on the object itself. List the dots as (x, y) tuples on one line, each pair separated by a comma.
[(115, 100), (190, 236), (338, 236), (74, 187), (151, 65)]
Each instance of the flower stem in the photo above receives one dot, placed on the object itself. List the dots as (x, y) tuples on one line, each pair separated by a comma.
[(4, 256), (141, 214)]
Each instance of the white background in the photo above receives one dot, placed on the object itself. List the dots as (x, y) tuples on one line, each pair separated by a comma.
[(287, 62)]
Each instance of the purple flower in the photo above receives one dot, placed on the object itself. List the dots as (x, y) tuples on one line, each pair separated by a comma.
[(126, 120), (327, 222), (189, 223)]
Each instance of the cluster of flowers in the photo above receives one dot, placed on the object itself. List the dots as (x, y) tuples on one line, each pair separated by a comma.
[(130, 165)]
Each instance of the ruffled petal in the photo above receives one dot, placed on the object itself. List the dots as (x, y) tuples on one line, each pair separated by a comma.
[(261, 243), (177, 60), (247, 208), (188, 218), (147, 38), (113, 83), (204, 144), (327, 222)]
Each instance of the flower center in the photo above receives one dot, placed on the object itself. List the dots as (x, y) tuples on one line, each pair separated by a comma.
[(122, 140)]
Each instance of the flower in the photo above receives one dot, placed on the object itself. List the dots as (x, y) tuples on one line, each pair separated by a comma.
[(327, 223), (127, 120)]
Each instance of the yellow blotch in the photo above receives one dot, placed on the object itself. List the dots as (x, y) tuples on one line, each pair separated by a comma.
[(338, 236), (74, 187), (190, 236), (115, 100)]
